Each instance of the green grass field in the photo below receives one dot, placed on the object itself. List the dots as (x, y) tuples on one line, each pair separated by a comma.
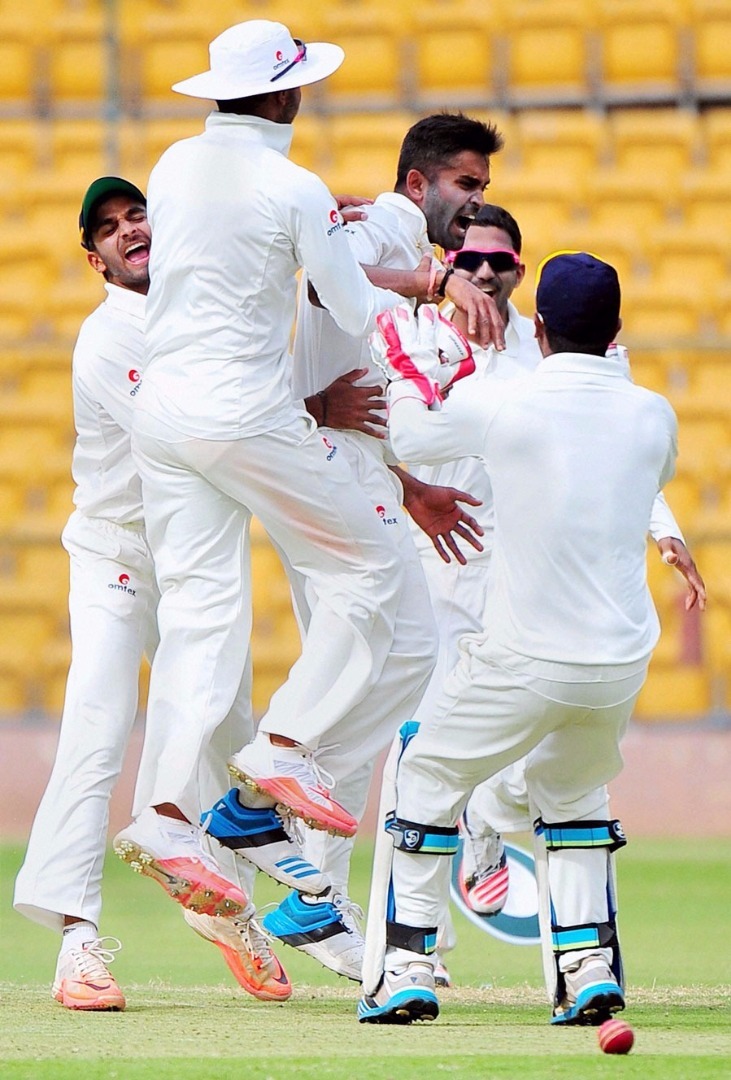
[(187, 1019)]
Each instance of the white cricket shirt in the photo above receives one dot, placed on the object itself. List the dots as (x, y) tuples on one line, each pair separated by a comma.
[(576, 455), (107, 363), (233, 220)]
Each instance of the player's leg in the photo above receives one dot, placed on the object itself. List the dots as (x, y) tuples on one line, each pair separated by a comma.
[(566, 775), (112, 603)]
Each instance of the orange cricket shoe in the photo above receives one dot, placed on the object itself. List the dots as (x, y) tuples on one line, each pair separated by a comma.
[(83, 980)]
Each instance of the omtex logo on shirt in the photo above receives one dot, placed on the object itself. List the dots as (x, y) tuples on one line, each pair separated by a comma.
[(335, 222), (381, 511), (136, 379), (122, 585)]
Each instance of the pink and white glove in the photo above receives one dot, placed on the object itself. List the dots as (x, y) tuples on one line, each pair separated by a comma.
[(426, 349)]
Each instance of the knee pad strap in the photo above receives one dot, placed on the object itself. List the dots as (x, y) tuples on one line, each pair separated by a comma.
[(581, 834), (416, 939), (586, 936), (416, 837)]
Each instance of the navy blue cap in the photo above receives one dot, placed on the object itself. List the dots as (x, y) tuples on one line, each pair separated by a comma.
[(578, 296)]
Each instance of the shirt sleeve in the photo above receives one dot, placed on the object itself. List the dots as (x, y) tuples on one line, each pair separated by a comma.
[(323, 250), (372, 239), (423, 436), (662, 521)]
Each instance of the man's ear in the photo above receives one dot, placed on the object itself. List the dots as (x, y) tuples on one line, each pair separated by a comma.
[(416, 186), (519, 274), (95, 262)]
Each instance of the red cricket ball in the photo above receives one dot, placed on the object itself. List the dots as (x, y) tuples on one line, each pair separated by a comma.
[(616, 1037)]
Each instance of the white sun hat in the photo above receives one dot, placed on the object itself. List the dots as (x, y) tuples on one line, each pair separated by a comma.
[(259, 57)]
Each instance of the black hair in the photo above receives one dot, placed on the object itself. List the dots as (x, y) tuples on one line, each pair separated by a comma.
[(243, 106), (558, 343), (499, 218), (431, 143)]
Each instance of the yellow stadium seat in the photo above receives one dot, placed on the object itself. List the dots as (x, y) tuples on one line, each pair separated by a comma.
[(363, 151), (374, 71), (79, 62), (309, 142), (569, 141), (704, 446), (616, 246), (641, 49), (20, 59), (159, 50), (710, 381), (628, 200), (455, 46), (547, 50), (685, 500), (661, 142), (22, 142), (716, 130), (80, 151), (673, 249), (707, 200), (664, 312), (142, 142), (711, 22), (542, 207)]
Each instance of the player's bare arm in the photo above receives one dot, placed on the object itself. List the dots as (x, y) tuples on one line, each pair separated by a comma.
[(436, 510), (675, 553), (348, 407)]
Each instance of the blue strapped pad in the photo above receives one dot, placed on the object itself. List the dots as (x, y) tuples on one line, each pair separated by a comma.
[(425, 839), (586, 936), (581, 834), (416, 939)]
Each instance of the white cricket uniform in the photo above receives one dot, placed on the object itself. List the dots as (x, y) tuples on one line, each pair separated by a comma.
[(394, 235), (458, 593), (112, 602), (218, 436), (576, 455)]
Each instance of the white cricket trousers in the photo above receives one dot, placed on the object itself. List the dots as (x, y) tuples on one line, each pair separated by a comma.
[(350, 749), (199, 496), (489, 715), (112, 603)]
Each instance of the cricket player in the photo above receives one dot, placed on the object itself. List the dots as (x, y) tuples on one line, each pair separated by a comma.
[(576, 455), (218, 436), (490, 259), (112, 606), (443, 170)]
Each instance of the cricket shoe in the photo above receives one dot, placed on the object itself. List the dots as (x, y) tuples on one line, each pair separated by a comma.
[(261, 837), (441, 972), (404, 995), (484, 870), (245, 948), (83, 980), (290, 776), (592, 994), (327, 930), (171, 853)]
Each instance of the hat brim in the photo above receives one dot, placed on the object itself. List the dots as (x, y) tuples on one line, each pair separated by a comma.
[(322, 60)]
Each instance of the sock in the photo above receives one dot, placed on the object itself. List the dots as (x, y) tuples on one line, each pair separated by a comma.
[(77, 935)]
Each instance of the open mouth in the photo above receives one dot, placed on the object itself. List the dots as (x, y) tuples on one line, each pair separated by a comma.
[(463, 222), (138, 253)]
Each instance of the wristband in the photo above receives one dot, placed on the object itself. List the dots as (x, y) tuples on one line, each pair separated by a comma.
[(435, 268), (322, 394), (443, 283)]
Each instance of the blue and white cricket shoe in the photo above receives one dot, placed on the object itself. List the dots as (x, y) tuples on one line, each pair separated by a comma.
[(327, 930), (592, 994), (261, 837), (404, 995)]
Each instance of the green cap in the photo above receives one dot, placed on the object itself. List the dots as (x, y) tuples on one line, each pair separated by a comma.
[(99, 190)]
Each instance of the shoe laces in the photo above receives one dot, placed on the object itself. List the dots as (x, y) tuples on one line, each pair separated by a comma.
[(192, 838), (350, 912), (292, 825), (93, 959), (256, 941), (304, 767)]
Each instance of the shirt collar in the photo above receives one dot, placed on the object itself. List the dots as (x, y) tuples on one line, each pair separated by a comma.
[(132, 303), (254, 129), (583, 362), (411, 217)]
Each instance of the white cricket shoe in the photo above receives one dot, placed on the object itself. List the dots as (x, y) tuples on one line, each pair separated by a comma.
[(245, 948), (327, 930), (404, 995), (592, 994), (83, 980), (291, 777), (172, 854)]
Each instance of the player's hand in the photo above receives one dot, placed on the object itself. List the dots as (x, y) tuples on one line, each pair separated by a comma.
[(355, 408), (675, 553), (484, 324), (436, 510), (348, 207)]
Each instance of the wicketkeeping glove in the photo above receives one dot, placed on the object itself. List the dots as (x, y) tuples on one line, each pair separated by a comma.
[(426, 349)]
